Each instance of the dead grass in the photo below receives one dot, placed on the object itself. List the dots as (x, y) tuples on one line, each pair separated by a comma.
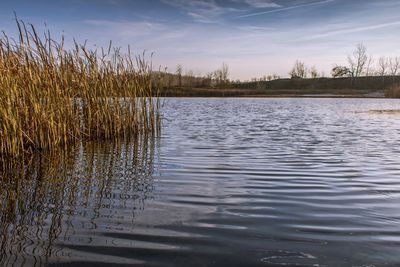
[(393, 91)]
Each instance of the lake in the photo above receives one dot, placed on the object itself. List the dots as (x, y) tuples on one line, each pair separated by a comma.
[(229, 182)]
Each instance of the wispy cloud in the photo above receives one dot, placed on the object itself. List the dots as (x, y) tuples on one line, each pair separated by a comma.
[(210, 11), (127, 28), (201, 17), (259, 3), (254, 29), (287, 8), (204, 11), (352, 30)]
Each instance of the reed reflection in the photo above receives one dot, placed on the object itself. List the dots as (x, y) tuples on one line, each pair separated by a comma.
[(45, 199)]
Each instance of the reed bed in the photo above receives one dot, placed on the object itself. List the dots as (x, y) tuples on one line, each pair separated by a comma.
[(52, 96), (393, 91)]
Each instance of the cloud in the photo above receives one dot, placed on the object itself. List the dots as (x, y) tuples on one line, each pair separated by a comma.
[(287, 8), (353, 30), (210, 11), (204, 11), (250, 47), (259, 3), (127, 28), (255, 29), (201, 17)]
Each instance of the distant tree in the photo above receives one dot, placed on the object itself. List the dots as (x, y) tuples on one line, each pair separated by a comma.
[(314, 72), (340, 71), (207, 80), (358, 60), (217, 77), (383, 65), (299, 70), (269, 78), (221, 75), (167, 79), (179, 74), (225, 73), (368, 68), (275, 77), (190, 79), (394, 65)]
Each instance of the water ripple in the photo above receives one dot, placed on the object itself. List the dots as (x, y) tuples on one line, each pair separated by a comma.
[(231, 182)]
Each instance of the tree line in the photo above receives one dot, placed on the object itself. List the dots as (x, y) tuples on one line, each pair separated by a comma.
[(359, 63), (181, 79)]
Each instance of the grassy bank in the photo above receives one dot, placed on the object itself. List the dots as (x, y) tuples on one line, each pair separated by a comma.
[(339, 87), (51, 96), (393, 91)]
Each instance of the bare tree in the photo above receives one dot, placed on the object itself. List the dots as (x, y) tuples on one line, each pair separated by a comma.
[(207, 80), (394, 65), (299, 70), (190, 79), (368, 68), (179, 74), (217, 76), (358, 60), (225, 73), (314, 72), (275, 77), (221, 75), (383, 65)]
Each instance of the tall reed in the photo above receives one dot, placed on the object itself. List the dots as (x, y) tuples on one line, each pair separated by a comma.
[(50, 95)]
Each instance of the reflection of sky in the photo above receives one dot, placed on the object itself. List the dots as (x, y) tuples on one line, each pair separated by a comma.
[(254, 37)]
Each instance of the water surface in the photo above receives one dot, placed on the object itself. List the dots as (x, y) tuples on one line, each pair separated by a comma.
[(230, 182)]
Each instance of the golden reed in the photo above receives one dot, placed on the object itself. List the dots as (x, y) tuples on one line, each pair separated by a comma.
[(52, 96)]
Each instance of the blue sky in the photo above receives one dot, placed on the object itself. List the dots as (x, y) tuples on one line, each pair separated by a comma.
[(254, 37)]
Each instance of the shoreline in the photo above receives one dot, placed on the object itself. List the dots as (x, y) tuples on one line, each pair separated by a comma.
[(281, 96)]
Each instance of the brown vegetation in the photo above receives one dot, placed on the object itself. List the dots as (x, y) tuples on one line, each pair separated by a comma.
[(51, 96), (393, 91)]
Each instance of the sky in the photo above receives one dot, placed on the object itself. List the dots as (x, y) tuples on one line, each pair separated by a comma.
[(254, 37)]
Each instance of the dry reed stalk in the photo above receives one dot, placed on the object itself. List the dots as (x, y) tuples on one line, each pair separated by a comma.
[(50, 96)]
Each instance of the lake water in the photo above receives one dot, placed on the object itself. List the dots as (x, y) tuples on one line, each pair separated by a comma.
[(230, 182)]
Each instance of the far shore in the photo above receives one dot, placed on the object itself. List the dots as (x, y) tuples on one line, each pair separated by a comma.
[(281, 96), (245, 93), (361, 87)]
